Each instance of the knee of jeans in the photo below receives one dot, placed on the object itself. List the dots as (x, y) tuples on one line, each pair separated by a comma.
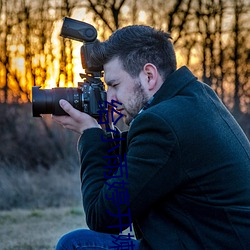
[(62, 243), (66, 241), (71, 239)]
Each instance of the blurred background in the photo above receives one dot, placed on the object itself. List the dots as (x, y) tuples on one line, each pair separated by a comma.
[(38, 160)]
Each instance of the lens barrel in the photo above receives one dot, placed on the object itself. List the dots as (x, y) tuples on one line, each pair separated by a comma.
[(46, 101)]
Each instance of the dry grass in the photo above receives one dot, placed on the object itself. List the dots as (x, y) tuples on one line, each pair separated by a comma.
[(39, 184), (37, 229), (21, 188), (39, 165)]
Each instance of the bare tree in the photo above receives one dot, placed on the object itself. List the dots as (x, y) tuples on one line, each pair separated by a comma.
[(107, 11), (11, 87), (4, 56), (66, 8), (239, 53), (217, 32)]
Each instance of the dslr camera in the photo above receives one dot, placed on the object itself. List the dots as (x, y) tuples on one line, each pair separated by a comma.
[(90, 96)]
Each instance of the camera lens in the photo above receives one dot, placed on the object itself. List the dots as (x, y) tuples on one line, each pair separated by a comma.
[(46, 101)]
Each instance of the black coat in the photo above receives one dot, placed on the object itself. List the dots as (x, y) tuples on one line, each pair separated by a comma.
[(188, 173)]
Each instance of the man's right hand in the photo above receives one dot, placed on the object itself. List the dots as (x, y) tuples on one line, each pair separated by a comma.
[(76, 121)]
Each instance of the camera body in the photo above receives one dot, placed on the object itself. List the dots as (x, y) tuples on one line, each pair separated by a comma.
[(90, 96)]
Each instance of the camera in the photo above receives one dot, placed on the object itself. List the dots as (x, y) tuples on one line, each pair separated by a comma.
[(90, 96)]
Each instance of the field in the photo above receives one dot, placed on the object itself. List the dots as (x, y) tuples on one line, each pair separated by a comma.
[(40, 229), (40, 195)]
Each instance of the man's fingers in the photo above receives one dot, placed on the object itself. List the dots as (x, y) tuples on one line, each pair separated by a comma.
[(76, 120), (60, 119), (68, 108)]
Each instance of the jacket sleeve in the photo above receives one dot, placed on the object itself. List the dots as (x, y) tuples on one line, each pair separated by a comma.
[(149, 172)]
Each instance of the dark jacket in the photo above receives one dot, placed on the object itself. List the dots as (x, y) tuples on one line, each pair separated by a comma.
[(188, 166)]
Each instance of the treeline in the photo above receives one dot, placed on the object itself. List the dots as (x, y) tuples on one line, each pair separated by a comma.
[(211, 37)]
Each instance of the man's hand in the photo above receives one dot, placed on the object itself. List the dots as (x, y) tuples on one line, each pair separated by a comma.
[(76, 121)]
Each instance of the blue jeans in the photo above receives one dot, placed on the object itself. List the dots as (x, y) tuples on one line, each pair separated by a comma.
[(90, 240)]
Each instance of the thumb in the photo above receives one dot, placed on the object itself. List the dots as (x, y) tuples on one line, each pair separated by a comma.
[(66, 106)]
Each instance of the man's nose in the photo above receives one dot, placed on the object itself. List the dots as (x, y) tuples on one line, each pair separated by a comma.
[(111, 96)]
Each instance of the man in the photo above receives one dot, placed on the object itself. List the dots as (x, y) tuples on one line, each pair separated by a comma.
[(187, 162)]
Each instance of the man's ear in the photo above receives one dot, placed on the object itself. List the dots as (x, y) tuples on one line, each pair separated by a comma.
[(152, 75)]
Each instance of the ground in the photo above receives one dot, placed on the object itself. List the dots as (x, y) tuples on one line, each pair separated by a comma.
[(37, 229)]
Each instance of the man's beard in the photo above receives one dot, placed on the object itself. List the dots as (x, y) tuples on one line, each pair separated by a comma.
[(136, 102)]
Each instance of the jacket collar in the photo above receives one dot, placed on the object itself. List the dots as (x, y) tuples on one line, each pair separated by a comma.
[(173, 84)]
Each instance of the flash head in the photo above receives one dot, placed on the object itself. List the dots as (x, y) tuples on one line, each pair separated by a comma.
[(76, 30)]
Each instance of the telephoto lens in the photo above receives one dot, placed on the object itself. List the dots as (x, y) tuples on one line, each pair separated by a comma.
[(46, 101)]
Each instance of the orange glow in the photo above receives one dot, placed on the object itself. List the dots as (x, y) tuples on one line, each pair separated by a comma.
[(180, 59), (43, 68), (142, 16), (19, 64)]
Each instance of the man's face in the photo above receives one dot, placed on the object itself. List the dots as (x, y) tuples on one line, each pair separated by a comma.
[(124, 89)]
